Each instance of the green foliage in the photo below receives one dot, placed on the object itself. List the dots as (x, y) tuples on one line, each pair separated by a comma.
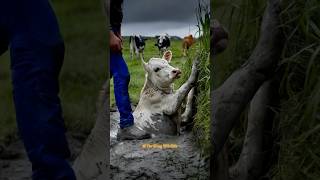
[(202, 116), (299, 117), (299, 127)]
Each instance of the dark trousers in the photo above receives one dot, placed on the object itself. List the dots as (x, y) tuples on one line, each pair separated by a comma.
[(121, 78), (30, 29)]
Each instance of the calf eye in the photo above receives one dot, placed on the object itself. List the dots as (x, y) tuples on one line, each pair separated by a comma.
[(156, 69)]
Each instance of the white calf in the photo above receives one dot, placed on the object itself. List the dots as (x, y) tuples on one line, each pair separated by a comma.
[(158, 110)]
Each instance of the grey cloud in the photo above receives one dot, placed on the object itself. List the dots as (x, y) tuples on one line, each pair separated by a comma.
[(159, 10), (154, 17)]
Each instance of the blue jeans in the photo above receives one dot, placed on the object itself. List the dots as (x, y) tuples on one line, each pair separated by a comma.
[(121, 78), (30, 30)]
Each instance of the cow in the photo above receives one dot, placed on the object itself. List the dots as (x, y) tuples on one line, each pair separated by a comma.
[(137, 45), (163, 43), (187, 43), (159, 107)]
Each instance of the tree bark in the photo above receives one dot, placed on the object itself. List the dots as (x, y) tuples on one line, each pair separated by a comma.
[(93, 162)]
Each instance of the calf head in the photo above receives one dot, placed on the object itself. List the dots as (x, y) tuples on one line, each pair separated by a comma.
[(160, 73)]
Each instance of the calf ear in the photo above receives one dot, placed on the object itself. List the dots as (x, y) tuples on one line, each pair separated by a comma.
[(145, 67), (167, 55)]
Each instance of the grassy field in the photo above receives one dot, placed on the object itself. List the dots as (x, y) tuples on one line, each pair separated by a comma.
[(137, 75), (83, 26)]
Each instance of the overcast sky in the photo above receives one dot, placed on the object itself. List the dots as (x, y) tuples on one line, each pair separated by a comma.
[(154, 17)]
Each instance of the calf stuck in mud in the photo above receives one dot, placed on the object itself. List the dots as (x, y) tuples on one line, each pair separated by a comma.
[(159, 107)]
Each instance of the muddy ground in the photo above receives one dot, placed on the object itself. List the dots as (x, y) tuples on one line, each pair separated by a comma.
[(14, 164), (128, 159)]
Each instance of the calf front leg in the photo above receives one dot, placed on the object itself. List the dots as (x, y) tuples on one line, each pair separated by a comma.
[(187, 114), (174, 102)]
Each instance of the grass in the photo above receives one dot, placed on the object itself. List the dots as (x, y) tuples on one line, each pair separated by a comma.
[(202, 123), (298, 115), (299, 155), (83, 26)]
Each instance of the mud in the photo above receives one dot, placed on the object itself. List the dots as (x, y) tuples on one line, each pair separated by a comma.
[(130, 160), (14, 163)]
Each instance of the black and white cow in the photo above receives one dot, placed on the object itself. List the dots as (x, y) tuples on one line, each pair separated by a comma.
[(137, 45), (163, 43)]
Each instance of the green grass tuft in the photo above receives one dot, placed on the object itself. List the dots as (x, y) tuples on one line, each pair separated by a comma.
[(202, 121)]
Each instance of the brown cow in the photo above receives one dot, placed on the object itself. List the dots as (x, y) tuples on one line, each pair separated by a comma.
[(187, 43)]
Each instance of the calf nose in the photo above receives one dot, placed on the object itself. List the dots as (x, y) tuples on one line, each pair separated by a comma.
[(176, 71)]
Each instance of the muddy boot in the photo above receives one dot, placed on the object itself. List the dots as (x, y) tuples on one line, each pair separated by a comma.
[(132, 133)]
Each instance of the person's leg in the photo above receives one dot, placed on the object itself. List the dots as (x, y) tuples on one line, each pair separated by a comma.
[(35, 73), (37, 52), (121, 79)]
